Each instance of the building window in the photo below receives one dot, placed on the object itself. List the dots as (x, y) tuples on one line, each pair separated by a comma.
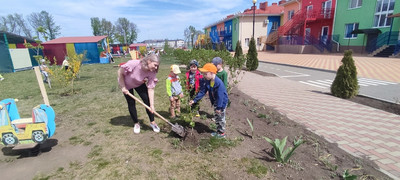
[(350, 28), (384, 8), (230, 28), (246, 42), (274, 25), (258, 41), (290, 14), (226, 29), (355, 4), (234, 27)]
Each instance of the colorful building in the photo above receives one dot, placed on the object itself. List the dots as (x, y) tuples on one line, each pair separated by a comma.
[(364, 26), (239, 26), (59, 48), (14, 56), (309, 29)]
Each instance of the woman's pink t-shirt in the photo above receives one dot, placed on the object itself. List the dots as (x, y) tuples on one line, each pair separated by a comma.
[(135, 75)]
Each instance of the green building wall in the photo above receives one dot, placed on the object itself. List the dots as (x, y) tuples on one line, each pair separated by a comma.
[(235, 32), (364, 16)]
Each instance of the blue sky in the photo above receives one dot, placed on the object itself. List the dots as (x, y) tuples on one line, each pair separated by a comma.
[(155, 19)]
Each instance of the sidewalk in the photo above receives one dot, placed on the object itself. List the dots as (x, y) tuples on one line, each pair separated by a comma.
[(387, 69), (358, 129)]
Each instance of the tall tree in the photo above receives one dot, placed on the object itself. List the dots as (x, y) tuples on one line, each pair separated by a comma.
[(126, 31), (108, 29), (50, 25), (36, 21), (45, 20), (132, 33), (22, 25), (122, 28), (96, 26), (15, 23)]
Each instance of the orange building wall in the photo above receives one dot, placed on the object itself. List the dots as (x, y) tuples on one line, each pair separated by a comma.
[(293, 6)]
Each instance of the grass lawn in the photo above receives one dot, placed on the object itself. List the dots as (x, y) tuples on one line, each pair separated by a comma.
[(95, 119)]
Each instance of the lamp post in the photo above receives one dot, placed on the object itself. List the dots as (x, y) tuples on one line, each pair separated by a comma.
[(254, 13)]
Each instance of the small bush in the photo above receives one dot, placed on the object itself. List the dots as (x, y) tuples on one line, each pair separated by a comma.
[(345, 84), (252, 60)]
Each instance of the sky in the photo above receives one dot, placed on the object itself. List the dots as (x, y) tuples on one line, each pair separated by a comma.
[(155, 19)]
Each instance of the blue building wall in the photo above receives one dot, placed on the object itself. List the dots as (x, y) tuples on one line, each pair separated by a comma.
[(273, 19), (228, 35)]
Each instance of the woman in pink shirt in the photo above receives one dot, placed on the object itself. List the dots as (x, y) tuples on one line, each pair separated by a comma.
[(141, 76)]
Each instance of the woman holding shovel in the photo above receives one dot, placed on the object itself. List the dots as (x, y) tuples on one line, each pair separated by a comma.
[(141, 76)]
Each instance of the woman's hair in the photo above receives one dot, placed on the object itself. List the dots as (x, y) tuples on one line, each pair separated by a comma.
[(151, 58)]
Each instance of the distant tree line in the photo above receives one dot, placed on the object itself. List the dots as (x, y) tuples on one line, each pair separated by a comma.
[(123, 31), (42, 25)]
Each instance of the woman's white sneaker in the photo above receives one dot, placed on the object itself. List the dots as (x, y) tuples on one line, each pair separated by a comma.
[(136, 128), (155, 127)]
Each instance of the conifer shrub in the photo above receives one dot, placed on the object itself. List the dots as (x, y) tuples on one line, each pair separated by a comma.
[(345, 84), (222, 46), (252, 60), (238, 49)]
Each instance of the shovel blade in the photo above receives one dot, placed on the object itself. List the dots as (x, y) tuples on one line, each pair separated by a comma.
[(178, 129)]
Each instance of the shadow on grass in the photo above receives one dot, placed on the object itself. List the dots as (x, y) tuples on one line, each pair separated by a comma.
[(122, 121), (31, 152), (128, 122)]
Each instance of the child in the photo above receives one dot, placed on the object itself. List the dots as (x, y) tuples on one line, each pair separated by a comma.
[(1, 77), (193, 81), (221, 73), (174, 91), (44, 70), (218, 97)]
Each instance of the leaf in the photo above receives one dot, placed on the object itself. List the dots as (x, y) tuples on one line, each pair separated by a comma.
[(251, 125)]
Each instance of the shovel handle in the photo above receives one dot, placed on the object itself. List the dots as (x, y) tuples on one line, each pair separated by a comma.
[(147, 107)]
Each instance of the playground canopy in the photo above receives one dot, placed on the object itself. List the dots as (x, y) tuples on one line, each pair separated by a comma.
[(14, 56), (59, 48)]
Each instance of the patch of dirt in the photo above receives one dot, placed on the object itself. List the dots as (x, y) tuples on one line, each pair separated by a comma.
[(315, 159), (377, 104)]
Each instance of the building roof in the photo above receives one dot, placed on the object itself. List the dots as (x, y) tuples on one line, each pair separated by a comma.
[(15, 38), (289, 2), (366, 31), (264, 10), (137, 44), (82, 39)]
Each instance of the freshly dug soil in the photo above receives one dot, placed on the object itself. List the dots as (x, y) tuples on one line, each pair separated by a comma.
[(315, 159)]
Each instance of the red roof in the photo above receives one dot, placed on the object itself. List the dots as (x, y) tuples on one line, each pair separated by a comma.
[(265, 9), (137, 44), (83, 39)]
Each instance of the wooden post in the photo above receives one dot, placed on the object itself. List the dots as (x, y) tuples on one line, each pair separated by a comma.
[(41, 85)]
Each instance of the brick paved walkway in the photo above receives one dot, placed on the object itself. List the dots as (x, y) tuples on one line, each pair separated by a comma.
[(358, 129), (387, 69)]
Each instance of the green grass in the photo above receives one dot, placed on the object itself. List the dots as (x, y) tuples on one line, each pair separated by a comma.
[(96, 118), (254, 167)]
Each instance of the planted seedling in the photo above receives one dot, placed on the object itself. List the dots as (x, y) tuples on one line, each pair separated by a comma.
[(280, 154)]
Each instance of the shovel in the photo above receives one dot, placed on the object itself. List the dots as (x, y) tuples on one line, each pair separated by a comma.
[(178, 129)]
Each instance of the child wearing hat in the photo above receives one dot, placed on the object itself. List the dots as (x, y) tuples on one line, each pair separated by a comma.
[(174, 90), (218, 97), (193, 81), (221, 73)]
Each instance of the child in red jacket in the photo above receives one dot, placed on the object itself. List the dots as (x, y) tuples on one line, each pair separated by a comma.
[(193, 81)]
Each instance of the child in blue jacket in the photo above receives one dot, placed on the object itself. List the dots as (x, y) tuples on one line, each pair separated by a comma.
[(218, 97)]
